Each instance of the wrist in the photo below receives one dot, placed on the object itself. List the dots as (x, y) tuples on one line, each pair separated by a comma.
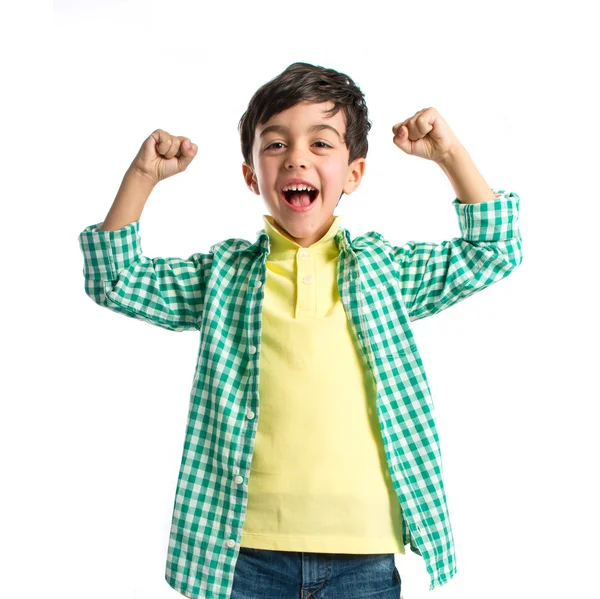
[(140, 178), (451, 156)]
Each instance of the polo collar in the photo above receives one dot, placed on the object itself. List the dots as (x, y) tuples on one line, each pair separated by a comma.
[(273, 239)]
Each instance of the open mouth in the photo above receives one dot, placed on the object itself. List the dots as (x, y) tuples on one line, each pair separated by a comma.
[(300, 199)]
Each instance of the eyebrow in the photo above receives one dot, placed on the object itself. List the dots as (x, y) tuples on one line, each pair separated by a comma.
[(282, 128)]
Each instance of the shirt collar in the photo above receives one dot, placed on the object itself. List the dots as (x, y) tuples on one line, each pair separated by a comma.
[(281, 243), (271, 234)]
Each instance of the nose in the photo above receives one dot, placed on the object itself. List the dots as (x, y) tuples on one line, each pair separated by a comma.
[(296, 157)]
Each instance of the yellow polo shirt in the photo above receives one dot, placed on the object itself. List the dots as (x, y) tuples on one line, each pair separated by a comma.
[(318, 480)]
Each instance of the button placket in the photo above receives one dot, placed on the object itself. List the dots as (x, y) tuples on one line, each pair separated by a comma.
[(306, 295)]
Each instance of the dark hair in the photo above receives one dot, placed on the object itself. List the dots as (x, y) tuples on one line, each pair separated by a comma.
[(303, 81)]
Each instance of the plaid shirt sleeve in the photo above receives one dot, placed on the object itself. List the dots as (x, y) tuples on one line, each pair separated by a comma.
[(434, 276), (167, 292)]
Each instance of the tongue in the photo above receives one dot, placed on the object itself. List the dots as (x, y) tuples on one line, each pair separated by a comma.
[(300, 198)]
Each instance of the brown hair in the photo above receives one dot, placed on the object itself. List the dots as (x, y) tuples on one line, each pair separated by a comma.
[(302, 81)]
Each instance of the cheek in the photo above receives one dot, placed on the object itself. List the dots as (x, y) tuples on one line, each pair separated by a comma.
[(333, 173), (265, 173)]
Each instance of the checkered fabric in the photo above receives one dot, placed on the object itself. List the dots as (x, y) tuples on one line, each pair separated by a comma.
[(220, 294)]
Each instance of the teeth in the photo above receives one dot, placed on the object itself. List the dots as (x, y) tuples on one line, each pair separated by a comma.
[(299, 188)]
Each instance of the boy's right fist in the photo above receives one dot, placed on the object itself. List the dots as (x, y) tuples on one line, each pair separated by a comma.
[(163, 155)]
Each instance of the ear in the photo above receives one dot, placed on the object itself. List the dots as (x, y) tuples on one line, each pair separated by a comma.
[(356, 171), (250, 178)]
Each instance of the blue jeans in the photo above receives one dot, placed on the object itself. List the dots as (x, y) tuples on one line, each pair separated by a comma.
[(267, 574)]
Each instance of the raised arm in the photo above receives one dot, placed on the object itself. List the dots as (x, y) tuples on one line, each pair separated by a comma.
[(167, 292), (434, 276)]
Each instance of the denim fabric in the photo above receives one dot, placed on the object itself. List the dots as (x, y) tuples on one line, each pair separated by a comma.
[(267, 574)]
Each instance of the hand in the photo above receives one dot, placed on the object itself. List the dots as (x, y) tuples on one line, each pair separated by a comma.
[(163, 155), (426, 135)]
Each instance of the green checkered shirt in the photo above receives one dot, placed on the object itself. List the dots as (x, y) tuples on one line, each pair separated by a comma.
[(383, 289)]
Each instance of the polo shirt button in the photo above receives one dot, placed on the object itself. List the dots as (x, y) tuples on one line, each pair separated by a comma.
[(307, 279), (303, 254), (252, 349)]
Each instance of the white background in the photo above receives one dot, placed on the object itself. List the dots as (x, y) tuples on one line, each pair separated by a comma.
[(94, 404)]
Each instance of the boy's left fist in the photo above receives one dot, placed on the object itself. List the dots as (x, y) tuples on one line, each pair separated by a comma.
[(426, 135)]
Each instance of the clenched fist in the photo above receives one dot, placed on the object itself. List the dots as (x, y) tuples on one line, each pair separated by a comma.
[(427, 135), (163, 155)]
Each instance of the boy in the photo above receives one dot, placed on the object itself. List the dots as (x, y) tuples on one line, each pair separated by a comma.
[(343, 469)]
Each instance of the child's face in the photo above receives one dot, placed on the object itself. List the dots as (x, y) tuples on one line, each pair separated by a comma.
[(318, 157)]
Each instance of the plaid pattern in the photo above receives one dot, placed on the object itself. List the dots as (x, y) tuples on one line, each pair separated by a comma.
[(383, 288)]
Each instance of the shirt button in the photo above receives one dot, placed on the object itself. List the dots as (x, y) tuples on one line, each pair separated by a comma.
[(239, 480), (258, 283), (250, 415), (252, 349), (230, 543), (307, 279), (303, 254)]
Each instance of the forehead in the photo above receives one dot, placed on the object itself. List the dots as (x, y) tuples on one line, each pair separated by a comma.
[(305, 116)]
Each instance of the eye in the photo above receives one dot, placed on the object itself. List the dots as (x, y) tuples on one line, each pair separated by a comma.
[(275, 143)]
